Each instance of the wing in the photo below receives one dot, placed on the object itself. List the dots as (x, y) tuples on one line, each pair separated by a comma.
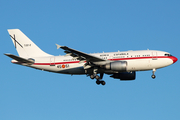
[(80, 55)]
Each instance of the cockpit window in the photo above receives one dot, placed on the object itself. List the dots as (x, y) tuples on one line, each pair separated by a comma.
[(167, 54)]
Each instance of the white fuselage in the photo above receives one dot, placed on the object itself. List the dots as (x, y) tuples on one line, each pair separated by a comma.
[(136, 61), (120, 65)]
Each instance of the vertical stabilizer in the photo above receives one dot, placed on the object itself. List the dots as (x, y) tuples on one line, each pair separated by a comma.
[(24, 46)]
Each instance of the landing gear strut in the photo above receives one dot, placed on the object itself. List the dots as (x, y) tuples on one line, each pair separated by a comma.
[(153, 75), (98, 79)]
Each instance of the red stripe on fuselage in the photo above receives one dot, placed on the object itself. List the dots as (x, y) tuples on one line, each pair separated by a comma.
[(115, 59), (135, 58), (57, 63)]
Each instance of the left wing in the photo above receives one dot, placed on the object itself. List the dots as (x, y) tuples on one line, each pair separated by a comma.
[(80, 55)]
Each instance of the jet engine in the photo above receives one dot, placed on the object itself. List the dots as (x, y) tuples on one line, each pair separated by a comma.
[(116, 66), (124, 76)]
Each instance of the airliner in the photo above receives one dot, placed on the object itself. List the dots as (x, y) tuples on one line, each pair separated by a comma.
[(118, 65)]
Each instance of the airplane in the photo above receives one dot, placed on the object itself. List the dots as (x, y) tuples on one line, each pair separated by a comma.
[(119, 65)]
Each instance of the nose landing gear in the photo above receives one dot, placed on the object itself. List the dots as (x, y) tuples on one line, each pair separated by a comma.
[(153, 75)]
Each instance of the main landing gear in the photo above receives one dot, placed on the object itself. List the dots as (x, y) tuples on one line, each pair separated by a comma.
[(153, 75), (100, 82), (98, 79)]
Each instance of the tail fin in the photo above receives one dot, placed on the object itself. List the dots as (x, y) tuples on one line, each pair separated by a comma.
[(24, 46)]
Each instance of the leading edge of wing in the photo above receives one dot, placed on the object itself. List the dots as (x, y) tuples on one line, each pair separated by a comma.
[(73, 52)]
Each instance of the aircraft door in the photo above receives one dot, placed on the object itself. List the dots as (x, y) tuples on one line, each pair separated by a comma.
[(154, 56), (52, 61), (110, 57)]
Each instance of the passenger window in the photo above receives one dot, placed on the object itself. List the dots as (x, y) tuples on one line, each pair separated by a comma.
[(167, 54)]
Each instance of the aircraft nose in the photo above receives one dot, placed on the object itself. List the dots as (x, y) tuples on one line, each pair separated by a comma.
[(174, 59)]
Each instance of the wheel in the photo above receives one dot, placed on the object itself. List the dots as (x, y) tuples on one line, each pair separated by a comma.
[(92, 76), (103, 82), (153, 76), (97, 77), (98, 82)]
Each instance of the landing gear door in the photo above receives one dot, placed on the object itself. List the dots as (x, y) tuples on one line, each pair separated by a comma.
[(154, 56), (52, 61)]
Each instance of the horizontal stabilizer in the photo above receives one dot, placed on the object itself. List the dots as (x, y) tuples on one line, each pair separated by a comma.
[(20, 59)]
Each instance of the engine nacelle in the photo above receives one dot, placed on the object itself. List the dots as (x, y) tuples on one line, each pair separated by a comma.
[(117, 66), (124, 76)]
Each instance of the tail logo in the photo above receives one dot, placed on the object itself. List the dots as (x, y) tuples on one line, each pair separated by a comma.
[(15, 41)]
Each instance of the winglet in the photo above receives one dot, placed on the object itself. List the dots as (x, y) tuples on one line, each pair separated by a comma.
[(58, 46)]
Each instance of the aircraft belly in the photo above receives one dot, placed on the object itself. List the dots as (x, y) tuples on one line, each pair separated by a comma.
[(45, 68), (76, 70), (66, 69)]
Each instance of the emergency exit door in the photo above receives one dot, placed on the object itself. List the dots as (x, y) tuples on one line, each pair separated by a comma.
[(52, 61)]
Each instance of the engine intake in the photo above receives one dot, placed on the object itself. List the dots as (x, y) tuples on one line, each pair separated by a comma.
[(117, 66)]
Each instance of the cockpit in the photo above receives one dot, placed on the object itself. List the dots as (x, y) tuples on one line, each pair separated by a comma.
[(167, 54)]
